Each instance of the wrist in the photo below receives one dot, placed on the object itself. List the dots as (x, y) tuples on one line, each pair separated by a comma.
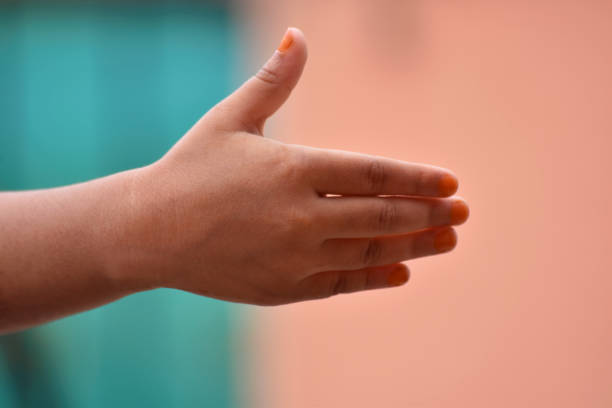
[(120, 233)]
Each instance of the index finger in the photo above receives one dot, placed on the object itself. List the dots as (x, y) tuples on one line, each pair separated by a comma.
[(347, 173)]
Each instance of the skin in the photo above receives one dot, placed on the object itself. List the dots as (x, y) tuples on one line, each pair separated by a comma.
[(226, 213)]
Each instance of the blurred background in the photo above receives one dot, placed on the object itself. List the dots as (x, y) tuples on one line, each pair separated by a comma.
[(515, 97)]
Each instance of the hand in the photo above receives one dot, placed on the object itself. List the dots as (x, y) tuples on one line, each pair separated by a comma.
[(229, 214)]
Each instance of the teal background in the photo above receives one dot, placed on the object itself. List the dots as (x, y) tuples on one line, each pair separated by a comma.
[(89, 89)]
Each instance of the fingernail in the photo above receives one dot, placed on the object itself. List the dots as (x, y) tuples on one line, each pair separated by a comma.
[(448, 185), (459, 212), (445, 240), (286, 42), (398, 276)]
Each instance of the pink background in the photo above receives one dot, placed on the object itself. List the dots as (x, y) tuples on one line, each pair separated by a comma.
[(515, 97)]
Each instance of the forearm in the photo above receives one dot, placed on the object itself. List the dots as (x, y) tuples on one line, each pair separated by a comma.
[(55, 248)]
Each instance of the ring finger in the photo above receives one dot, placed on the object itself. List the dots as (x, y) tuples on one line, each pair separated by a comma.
[(349, 254)]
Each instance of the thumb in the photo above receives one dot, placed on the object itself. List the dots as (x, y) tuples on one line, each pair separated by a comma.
[(263, 94)]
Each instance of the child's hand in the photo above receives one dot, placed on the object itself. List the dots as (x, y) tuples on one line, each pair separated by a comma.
[(230, 214)]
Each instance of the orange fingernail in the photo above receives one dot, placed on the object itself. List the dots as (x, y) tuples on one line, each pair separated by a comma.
[(398, 276), (448, 185), (445, 240), (286, 42), (459, 212)]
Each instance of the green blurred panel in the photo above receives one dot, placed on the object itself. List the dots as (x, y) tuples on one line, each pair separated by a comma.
[(11, 99), (58, 142), (130, 88), (89, 89)]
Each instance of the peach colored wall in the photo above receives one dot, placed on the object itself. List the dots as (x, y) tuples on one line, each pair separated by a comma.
[(516, 98)]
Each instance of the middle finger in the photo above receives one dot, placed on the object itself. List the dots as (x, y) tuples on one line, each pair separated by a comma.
[(363, 217)]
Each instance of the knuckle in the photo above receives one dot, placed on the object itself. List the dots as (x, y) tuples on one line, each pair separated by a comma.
[(288, 163), (372, 252), (337, 284), (386, 217), (272, 73), (375, 176), (268, 75), (297, 160)]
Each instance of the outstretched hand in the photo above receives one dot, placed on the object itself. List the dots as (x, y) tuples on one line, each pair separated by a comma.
[(229, 214)]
